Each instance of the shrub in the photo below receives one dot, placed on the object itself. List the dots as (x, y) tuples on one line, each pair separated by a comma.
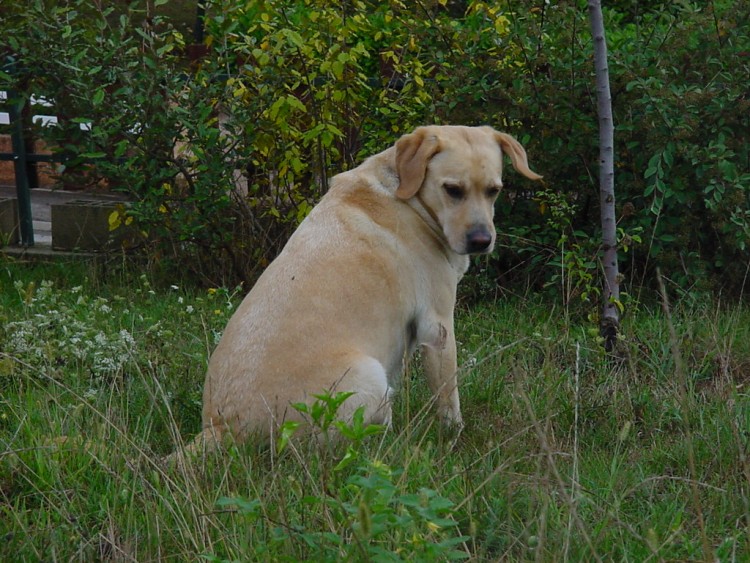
[(681, 164), (683, 158), (224, 158)]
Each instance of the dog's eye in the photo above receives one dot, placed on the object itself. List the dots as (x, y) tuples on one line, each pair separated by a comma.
[(454, 191), (493, 191)]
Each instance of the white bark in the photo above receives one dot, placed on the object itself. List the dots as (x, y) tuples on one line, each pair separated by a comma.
[(610, 321)]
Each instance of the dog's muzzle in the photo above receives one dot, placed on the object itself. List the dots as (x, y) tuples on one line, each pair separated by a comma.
[(478, 240)]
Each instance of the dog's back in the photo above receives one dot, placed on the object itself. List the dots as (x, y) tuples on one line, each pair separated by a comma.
[(322, 316)]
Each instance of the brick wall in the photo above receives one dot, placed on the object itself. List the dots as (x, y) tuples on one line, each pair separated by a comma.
[(45, 170)]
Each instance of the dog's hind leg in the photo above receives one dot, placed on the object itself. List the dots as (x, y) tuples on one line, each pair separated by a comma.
[(368, 380)]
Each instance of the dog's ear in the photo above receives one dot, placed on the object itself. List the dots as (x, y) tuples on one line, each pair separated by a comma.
[(516, 153), (413, 152)]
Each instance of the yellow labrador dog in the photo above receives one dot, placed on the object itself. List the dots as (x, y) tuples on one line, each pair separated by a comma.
[(368, 276)]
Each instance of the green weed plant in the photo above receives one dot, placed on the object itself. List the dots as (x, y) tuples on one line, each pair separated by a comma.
[(567, 453)]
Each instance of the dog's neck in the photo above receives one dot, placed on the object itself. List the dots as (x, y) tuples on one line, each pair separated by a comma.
[(382, 167), (460, 262)]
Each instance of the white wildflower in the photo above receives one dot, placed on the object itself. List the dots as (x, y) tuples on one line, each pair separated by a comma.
[(127, 338), (217, 336)]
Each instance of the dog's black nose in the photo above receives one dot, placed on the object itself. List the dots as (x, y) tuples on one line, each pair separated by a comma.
[(478, 239)]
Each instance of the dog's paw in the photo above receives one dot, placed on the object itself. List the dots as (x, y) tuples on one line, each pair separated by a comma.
[(452, 420), (453, 427)]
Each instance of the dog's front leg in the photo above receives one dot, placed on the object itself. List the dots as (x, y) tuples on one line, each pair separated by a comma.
[(439, 355)]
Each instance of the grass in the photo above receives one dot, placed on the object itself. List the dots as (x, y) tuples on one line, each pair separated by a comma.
[(567, 454)]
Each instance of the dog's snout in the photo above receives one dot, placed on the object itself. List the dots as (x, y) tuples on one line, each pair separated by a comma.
[(478, 239)]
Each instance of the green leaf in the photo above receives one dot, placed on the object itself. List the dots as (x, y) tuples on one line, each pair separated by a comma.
[(668, 159), (350, 456), (294, 38), (335, 130), (287, 431), (247, 507), (301, 407), (654, 161), (121, 148), (98, 97), (338, 69), (294, 102)]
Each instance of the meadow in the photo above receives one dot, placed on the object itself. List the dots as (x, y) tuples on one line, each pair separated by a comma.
[(567, 455)]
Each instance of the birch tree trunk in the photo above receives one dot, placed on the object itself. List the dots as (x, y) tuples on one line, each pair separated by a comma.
[(610, 320)]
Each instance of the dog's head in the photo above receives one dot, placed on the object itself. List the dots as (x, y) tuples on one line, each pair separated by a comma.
[(456, 174)]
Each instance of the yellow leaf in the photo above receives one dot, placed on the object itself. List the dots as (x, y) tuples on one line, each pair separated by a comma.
[(620, 306), (114, 220), (239, 91), (501, 25)]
